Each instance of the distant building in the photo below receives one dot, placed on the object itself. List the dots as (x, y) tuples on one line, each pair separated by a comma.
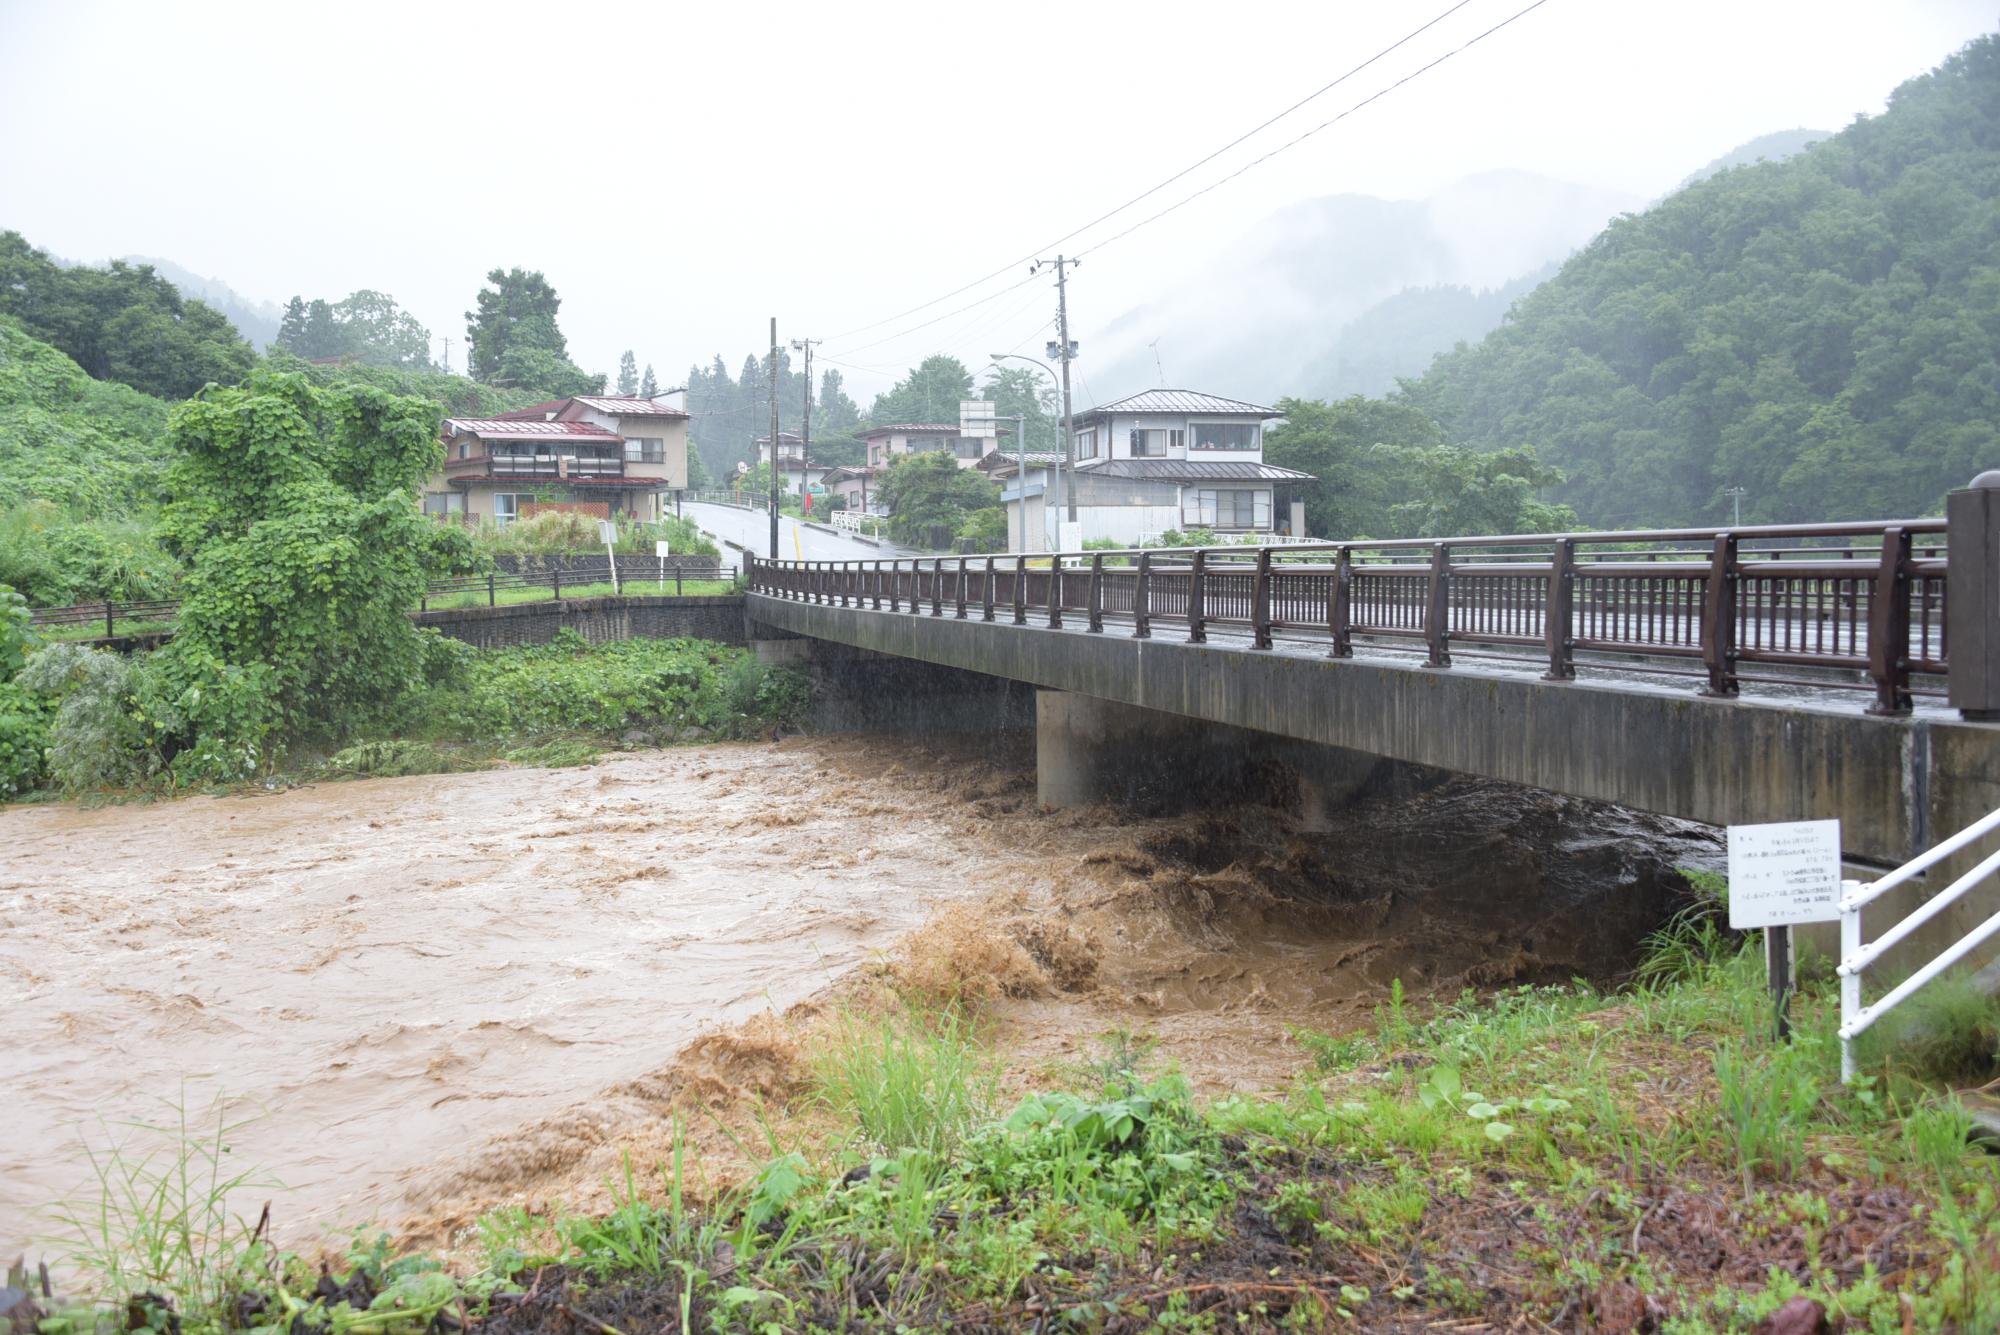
[(1155, 461), (794, 464), (601, 454), (854, 484), (886, 442)]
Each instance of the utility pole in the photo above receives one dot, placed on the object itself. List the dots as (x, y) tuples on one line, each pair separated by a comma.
[(774, 438), (1736, 495), (447, 354), (1064, 351), (806, 423)]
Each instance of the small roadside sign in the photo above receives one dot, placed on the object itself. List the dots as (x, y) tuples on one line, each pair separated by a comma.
[(662, 549), (1784, 873), (1781, 874)]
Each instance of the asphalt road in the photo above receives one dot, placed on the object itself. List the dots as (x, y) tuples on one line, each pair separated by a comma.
[(796, 541)]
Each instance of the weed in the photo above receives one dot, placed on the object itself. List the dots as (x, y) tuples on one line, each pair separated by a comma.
[(1949, 1032), (909, 1082), (1766, 1100)]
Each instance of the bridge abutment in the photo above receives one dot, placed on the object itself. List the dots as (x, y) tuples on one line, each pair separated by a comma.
[(1091, 750)]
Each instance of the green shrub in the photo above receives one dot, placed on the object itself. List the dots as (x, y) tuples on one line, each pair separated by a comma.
[(1947, 1032), (395, 758)]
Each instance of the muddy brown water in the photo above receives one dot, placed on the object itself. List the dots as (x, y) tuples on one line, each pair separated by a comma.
[(410, 987)]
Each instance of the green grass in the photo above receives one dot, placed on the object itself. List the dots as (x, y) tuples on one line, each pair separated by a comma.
[(910, 1082), (505, 597)]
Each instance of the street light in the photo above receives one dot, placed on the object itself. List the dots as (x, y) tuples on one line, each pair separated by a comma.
[(1067, 461)]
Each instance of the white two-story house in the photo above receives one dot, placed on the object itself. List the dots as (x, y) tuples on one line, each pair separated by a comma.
[(1159, 460)]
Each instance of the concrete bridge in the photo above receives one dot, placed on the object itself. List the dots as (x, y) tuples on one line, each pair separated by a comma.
[(1732, 676)]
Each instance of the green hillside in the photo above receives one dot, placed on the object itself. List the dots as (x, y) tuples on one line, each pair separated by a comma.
[(95, 447), (1821, 331)]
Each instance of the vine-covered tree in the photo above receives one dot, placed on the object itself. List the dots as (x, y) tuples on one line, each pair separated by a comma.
[(628, 373), (294, 508)]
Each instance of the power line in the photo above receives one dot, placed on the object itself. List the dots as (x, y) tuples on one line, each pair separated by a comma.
[(890, 338), (1258, 129), (1293, 143)]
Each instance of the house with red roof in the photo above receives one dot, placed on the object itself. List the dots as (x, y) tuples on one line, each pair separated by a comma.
[(606, 455)]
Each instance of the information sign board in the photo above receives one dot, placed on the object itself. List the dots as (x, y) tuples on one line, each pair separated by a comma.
[(1784, 873)]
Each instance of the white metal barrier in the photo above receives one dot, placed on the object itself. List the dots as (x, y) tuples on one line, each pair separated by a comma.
[(1855, 958)]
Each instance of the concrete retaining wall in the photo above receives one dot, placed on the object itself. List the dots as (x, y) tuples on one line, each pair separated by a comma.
[(596, 619)]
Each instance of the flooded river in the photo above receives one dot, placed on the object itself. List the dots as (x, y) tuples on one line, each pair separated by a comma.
[(424, 988)]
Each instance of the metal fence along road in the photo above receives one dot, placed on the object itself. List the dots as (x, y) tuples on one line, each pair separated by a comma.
[(1870, 597)]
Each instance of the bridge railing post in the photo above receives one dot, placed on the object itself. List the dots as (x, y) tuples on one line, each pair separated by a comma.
[(986, 595), (937, 587), (1558, 607), (1055, 590), (1020, 590), (1889, 626), (1972, 597), (1094, 601), (1718, 617), (1340, 605), (1260, 601), (1437, 608), (1198, 597), (895, 586), (875, 569), (960, 609), (1142, 599)]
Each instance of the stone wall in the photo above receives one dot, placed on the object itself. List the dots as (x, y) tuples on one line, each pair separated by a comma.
[(596, 619)]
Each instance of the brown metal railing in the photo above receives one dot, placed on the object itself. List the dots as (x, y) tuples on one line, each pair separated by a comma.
[(1870, 598)]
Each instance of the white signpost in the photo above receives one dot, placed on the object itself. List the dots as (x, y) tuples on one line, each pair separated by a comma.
[(662, 549), (1780, 875), (607, 533)]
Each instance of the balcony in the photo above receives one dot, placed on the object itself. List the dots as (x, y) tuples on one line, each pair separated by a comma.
[(539, 467)]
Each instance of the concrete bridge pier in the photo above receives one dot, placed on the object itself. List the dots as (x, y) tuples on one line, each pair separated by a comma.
[(1091, 750)]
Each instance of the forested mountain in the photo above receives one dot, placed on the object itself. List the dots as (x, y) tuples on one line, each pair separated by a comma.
[(1401, 336), (1821, 331), (255, 320), (1271, 318), (121, 323)]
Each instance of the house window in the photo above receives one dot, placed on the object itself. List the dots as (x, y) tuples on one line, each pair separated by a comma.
[(645, 450), (443, 503), (1086, 444), (1155, 444), (507, 506), (464, 451), (967, 447), (1224, 436), (1226, 508)]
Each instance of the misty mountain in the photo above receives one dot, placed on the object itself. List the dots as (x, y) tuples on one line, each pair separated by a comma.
[(1270, 319), (1819, 331), (1773, 147), (255, 320)]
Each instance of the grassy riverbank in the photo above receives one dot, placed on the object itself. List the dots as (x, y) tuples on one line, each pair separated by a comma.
[(1545, 1158)]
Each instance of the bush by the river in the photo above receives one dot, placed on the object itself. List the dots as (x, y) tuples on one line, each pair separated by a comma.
[(85, 720)]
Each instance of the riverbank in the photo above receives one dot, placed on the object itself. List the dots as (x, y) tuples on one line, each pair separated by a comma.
[(1272, 1003)]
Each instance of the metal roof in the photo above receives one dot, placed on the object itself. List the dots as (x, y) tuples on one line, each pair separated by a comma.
[(996, 458), (1194, 470), (626, 406), (487, 428), (907, 427), (1179, 401)]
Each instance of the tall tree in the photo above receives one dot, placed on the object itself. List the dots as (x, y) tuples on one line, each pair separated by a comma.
[(834, 412), (1027, 392), (628, 374), (292, 329), (929, 393), (648, 386), (514, 339), (375, 330)]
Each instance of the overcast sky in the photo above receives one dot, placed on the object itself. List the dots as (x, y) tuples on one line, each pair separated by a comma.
[(855, 160)]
